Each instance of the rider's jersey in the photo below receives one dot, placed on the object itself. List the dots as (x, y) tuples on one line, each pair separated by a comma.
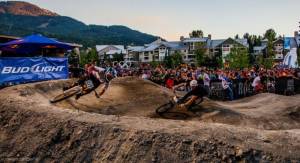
[(99, 69), (95, 81), (198, 91), (112, 71)]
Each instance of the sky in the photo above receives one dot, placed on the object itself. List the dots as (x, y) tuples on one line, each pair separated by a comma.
[(171, 19)]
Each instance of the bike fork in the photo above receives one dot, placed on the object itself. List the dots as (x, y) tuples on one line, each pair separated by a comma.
[(96, 94)]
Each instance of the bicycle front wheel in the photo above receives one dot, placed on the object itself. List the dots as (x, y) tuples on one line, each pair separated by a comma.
[(164, 108), (65, 95)]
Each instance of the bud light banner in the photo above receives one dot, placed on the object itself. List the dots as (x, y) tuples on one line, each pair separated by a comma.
[(21, 70)]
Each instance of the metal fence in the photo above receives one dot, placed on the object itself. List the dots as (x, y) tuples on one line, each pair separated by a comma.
[(243, 88)]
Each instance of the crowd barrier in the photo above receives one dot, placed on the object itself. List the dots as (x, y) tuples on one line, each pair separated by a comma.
[(243, 88)]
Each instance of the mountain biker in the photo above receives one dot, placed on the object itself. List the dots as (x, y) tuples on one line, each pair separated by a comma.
[(197, 91), (92, 79)]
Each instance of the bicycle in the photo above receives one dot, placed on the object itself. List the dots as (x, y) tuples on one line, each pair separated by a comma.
[(87, 85), (165, 108)]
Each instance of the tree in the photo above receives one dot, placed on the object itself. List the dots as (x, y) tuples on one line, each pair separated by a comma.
[(200, 53), (177, 58), (266, 62), (270, 51), (73, 59), (246, 36), (196, 33), (219, 61), (236, 36), (200, 56), (154, 63), (238, 58), (270, 35), (89, 56), (118, 57), (173, 60)]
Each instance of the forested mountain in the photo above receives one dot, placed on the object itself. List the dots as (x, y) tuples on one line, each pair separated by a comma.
[(22, 18)]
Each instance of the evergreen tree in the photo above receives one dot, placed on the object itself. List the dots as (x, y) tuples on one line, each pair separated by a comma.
[(200, 57), (196, 33), (238, 58), (89, 56), (118, 57), (173, 61), (236, 36), (265, 62), (270, 35)]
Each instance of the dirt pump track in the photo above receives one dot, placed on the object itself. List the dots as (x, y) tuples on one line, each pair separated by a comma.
[(122, 126)]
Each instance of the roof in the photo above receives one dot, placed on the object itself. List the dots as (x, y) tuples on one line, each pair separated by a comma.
[(135, 48), (158, 41), (215, 43), (75, 45), (259, 48), (152, 47), (244, 42), (111, 52), (101, 47), (119, 49), (175, 45), (196, 39), (9, 37)]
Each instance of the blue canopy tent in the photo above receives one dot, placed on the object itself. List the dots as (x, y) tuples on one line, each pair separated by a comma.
[(33, 46)]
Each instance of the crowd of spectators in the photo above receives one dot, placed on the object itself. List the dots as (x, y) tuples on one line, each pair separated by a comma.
[(232, 84)]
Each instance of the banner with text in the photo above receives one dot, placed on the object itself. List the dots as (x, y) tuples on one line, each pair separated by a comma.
[(21, 70)]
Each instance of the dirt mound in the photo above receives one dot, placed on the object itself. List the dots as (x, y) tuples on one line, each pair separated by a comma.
[(127, 130), (136, 97), (125, 96)]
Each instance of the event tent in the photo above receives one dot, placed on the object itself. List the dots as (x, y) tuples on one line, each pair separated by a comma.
[(32, 45)]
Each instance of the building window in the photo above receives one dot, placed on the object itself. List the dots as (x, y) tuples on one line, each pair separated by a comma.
[(146, 58), (226, 47), (191, 57)]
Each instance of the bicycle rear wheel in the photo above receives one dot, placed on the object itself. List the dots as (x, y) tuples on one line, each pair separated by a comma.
[(66, 94), (164, 108), (199, 101)]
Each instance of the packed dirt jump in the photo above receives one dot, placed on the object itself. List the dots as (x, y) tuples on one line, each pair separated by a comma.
[(122, 126)]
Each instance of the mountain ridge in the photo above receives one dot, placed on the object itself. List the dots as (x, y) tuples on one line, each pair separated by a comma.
[(24, 8), (19, 21)]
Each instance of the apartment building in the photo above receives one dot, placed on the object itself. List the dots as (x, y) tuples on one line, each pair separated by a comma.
[(107, 51), (187, 47), (281, 47)]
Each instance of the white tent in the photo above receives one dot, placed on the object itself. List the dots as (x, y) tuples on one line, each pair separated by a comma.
[(290, 59)]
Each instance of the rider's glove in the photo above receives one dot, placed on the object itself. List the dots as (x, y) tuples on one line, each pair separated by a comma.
[(182, 105), (175, 99)]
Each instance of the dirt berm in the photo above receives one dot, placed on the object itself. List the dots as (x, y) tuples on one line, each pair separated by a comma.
[(122, 126)]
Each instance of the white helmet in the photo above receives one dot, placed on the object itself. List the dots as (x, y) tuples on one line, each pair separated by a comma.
[(194, 83)]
